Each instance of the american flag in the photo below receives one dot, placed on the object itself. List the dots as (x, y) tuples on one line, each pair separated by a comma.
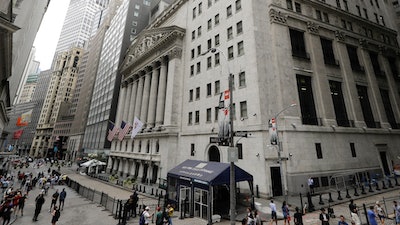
[(112, 132), (125, 128)]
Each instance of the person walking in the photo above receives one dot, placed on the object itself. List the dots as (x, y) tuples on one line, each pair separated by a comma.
[(249, 217), (21, 205), (272, 205), (170, 212), (371, 216), (7, 210), (38, 207), (310, 183), (147, 215), (135, 199), (54, 199), (380, 212), (159, 216), (324, 217), (286, 213), (342, 221), (298, 217), (63, 195), (355, 219), (55, 215), (396, 209)]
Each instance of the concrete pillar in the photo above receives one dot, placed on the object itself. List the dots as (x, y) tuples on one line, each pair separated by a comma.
[(161, 93), (127, 101), (126, 168), (120, 107), (139, 95), (151, 116), (131, 113), (146, 95), (172, 106)]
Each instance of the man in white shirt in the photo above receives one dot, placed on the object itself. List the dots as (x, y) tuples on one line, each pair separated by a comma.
[(147, 215), (310, 183), (273, 213)]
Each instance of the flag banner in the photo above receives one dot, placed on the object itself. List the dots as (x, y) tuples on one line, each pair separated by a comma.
[(17, 134), (125, 128), (112, 132), (137, 126), (24, 119), (223, 116)]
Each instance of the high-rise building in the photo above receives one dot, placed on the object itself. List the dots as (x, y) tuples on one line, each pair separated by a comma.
[(31, 67), (131, 17), (29, 88), (325, 71)]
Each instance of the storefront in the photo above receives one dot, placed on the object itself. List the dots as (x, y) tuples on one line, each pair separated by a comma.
[(197, 188)]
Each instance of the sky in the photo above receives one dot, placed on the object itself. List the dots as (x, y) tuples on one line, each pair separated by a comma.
[(49, 32)]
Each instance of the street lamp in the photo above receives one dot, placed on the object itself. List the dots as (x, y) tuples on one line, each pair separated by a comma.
[(278, 143), (232, 149)]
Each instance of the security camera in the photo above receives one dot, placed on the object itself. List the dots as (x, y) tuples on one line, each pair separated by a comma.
[(290, 154), (213, 50)]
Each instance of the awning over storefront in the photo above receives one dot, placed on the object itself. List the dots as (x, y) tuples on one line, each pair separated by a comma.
[(210, 173)]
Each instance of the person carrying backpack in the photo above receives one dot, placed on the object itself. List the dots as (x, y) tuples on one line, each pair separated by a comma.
[(56, 215), (145, 218)]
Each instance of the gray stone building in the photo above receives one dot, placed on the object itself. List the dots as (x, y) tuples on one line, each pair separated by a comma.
[(327, 71)]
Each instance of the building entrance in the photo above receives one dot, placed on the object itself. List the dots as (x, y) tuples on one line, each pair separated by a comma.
[(276, 181)]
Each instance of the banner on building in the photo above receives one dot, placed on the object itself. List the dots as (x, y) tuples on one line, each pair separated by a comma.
[(137, 126), (17, 134), (125, 128), (112, 131), (223, 115), (24, 119)]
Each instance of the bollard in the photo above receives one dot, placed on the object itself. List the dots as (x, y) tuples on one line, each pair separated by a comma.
[(384, 184), (370, 188), (257, 192), (152, 191), (310, 204), (355, 192), (363, 190), (330, 197), (347, 193), (395, 181), (156, 192), (339, 195), (390, 183), (366, 214), (320, 200), (301, 202), (140, 188), (144, 189), (377, 186)]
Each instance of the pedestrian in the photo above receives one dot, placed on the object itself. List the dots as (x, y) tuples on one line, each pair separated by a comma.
[(310, 183), (298, 217), (324, 217), (352, 206), (272, 205), (257, 218), (7, 210), (396, 211), (55, 215), (371, 216), (170, 212), (21, 205), (63, 195), (286, 213), (39, 203), (147, 215), (159, 216), (249, 217), (342, 221), (135, 199), (380, 212), (54, 199), (355, 220)]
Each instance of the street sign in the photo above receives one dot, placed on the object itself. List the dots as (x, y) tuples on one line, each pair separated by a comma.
[(214, 139), (240, 133)]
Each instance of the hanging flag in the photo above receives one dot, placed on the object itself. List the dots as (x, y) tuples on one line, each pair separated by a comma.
[(17, 134), (112, 132), (137, 126), (24, 119), (223, 116), (125, 128)]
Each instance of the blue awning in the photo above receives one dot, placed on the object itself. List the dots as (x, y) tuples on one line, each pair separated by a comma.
[(210, 173)]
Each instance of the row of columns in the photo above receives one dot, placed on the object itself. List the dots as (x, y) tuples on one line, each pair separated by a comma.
[(144, 96), (125, 167)]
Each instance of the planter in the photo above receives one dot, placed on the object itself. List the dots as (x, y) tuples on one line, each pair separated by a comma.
[(129, 186)]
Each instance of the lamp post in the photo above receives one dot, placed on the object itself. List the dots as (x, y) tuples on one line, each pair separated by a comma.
[(278, 143), (232, 149)]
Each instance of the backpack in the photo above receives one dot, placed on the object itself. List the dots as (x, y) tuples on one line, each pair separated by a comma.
[(142, 219)]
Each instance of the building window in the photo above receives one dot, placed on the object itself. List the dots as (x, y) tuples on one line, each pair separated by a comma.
[(376, 18), (240, 46), (383, 21), (326, 17), (353, 56), (377, 3), (229, 33), (229, 11), (216, 39), (338, 4), (346, 5), (216, 19), (243, 109), (190, 118), (319, 150), (198, 67), (192, 54), (239, 27), (362, 92), (193, 35), (191, 70), (375, 64), (192, 150), (197, 115), (358, 10), (209, 44), (209, 24), (327, 49), (242, 79), (209, 3), (216, 110), (338, 103), (298, 45), (198, 50), (238, 5), (297, 6), (209, 62), (190, 95), (240, 150), (208, 115), (217, 87), (307, 106), (388, 109), (199, 31), (230, 52), (200, 8), (194, 13), (197, 93), (234, 111), (208, 89), (289, 4), (216, 60), (393, 68), (365, 13), (318, 14)]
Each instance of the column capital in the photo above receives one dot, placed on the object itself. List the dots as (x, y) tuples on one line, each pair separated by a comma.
[(148, 69), (363, 43), (124, 84), (340, 36), (277, 17), (175, 53), (312, 27), (155, 64)]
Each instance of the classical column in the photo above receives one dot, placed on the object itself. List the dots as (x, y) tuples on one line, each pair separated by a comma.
[(110, 164), (115, 165), (132, 102), (120, 167), (145, 99), (127, 100), (126, 168), (120, 108), (172, 106), (161, 93), (151, 115), (139, 95)]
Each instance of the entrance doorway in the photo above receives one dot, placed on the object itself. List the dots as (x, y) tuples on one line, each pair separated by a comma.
[(385, 164), (213, 154), (276, 181), (184, 199)]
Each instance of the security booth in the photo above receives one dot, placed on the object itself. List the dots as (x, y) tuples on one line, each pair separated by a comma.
[(201, 188)]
